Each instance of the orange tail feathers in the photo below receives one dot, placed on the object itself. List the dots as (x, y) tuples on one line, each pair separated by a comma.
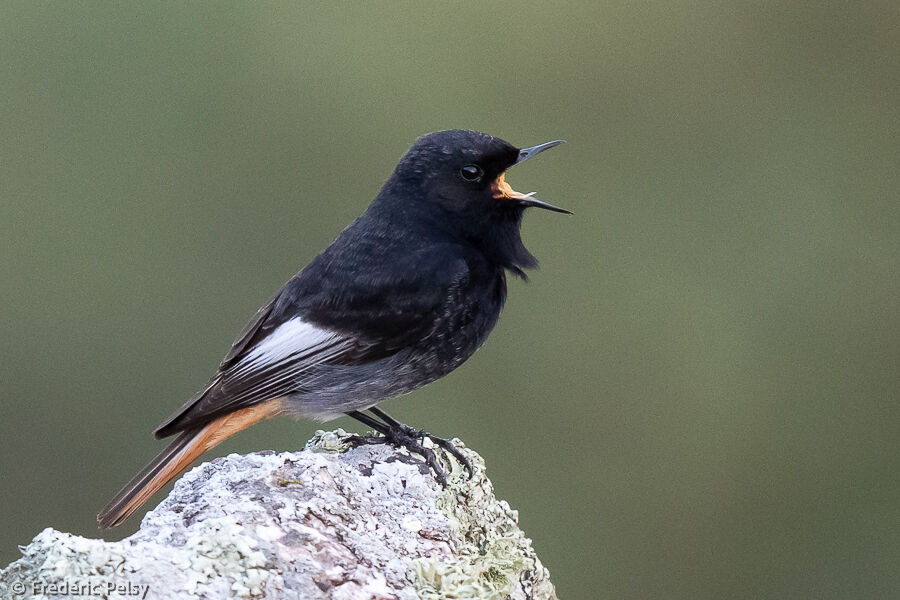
[(178, 456)]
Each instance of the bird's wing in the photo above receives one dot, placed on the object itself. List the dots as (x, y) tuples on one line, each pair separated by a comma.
[(248, 333), (316, 319), (265, 371)]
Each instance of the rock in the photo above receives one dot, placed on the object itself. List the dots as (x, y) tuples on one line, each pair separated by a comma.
[(327, 522)]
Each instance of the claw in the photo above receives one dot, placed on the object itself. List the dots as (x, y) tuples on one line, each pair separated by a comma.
[(452, 449), (363, 440), (444, 443), (401, 435), (409, 438)]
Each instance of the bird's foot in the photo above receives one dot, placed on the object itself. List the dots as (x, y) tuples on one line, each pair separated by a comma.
[(447, 445), (401, 435)]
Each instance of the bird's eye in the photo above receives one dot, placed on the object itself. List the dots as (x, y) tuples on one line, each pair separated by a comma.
[(471, 172)]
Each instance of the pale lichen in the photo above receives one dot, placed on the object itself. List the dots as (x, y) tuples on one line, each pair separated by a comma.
[(330, 522), (496, 561), (220, 548), (216, 556), (329, 441)]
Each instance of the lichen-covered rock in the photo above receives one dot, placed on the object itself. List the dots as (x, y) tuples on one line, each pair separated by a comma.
[(327, 522)]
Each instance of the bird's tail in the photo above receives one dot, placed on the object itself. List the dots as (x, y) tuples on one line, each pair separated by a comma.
[(189, 444)]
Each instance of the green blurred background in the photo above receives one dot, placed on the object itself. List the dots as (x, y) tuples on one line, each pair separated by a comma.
[(697, 395)]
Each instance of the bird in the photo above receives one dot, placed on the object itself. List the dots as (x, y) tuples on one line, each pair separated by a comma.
[(402, 297)]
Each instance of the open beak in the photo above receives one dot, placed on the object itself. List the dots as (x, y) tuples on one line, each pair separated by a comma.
[(526, 153), (503, 189)]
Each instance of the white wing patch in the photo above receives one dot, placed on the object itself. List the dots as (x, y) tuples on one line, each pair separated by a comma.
[(271, 368), (291, 341)]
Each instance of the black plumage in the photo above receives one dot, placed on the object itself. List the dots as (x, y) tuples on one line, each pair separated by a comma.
[(403, 296)]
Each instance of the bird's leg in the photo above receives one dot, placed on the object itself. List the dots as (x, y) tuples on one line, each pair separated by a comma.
[(370, 422), (421, 434), (401, 435), (398, 437)]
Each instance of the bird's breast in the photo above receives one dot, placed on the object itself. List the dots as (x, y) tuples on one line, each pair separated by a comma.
[(468, 317)]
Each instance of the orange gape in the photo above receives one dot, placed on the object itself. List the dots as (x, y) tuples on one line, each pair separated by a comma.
[(179, 455)]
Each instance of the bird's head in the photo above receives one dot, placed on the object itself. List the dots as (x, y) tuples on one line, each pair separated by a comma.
[(464, 172), (453, 184)]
